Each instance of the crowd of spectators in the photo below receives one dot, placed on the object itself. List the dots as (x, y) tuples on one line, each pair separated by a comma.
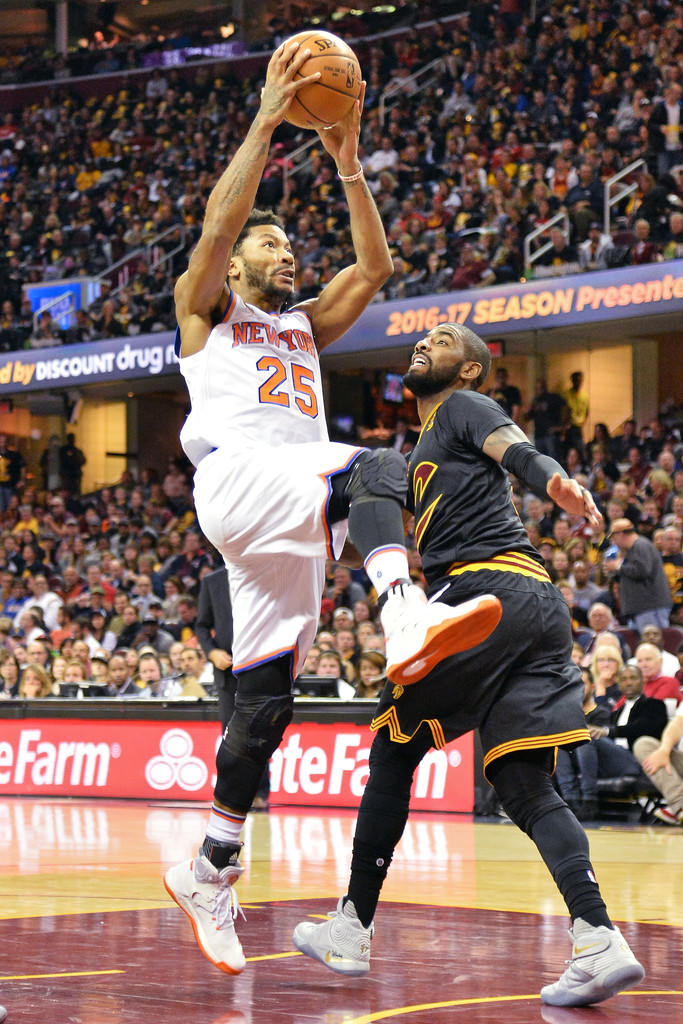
[(118, 570), (520, 120), (98, 592)]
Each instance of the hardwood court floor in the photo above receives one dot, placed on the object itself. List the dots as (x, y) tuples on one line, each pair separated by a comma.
[(469, 929)]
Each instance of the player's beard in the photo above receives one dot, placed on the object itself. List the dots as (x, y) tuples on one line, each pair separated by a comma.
[(432, 381), (259, 281)]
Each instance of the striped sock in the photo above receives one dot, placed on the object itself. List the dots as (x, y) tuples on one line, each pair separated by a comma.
[(225, 826), (386, 565)]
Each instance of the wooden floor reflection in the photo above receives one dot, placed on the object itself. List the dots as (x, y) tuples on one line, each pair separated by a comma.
[(469, 929)]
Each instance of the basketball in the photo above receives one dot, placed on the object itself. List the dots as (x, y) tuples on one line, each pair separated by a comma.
[(323, 103)]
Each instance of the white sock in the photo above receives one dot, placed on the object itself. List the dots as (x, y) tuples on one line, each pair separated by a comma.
[(385, 565), (225, 826)]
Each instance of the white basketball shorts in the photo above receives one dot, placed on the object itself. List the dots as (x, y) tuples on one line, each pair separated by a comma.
[(265, 510)]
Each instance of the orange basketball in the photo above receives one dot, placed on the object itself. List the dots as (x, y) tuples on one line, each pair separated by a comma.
[(323, 103)]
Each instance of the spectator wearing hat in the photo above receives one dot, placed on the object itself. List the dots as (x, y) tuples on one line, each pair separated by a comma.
[(645, 595), (99, 630), (151, 634), (99, 672), (96, 582), (596, 251), (342, 618)]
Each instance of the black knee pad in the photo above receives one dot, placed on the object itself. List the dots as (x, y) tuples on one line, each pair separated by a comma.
[(267, 725), (263, 710), (380, 473)]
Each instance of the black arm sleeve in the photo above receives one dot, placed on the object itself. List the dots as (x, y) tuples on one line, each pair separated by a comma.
[(529, 465)]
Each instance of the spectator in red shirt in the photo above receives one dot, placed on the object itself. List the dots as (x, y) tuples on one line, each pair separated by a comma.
[(643, 250), (472, 269), (666, 688)]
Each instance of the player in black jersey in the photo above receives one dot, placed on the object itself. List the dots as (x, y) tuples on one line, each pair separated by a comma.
[(519, 687)]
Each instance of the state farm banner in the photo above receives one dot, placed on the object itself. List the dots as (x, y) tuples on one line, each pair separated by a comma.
[(320, 765)]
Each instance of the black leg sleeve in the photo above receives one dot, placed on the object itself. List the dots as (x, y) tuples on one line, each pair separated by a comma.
[(382, 816), (523, 782)]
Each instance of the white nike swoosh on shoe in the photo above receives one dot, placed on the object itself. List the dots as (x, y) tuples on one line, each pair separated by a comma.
[(438, 594)]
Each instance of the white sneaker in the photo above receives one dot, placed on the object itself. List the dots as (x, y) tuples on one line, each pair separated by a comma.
[(419, 634), (601, 965), (209, 900), (340, 943)]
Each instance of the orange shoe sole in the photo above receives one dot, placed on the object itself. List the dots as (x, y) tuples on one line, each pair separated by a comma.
[(216, 963), (457, 634)]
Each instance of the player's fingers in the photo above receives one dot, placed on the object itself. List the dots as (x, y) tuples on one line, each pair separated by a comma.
[(298, 59), (276, 56), (299, 83)]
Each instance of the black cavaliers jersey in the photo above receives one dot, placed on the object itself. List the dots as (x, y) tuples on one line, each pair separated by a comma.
[(461, 498)]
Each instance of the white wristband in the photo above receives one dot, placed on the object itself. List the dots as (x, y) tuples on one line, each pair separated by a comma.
[(350, 177)]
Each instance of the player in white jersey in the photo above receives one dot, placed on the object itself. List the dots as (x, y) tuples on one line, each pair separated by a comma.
[(272, 493)]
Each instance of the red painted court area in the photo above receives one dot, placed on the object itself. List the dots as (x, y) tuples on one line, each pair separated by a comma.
[(88, 935)]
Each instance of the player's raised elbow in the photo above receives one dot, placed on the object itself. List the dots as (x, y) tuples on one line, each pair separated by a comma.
[(379, 272)]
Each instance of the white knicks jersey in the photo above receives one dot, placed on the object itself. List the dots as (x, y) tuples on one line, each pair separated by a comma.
[(256, 381)]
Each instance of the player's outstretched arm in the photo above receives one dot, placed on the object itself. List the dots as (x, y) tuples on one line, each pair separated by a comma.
[(351, 290), (574, 498), (511, 448), (200, 289)]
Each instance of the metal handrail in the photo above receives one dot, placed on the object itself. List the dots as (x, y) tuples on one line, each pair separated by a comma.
[(293, 157), (71, 308), (612, 200), (401, 84), (146, 251), (531, 257)]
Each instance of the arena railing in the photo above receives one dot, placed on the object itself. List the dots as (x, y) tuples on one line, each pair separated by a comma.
[(532, 257), (610, 200), (410, 84), (151, 252)]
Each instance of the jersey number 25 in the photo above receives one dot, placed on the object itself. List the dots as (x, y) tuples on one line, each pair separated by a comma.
[(276, 389)]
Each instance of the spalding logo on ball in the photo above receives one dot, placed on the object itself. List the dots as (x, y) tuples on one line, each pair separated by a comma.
[(325, 102)]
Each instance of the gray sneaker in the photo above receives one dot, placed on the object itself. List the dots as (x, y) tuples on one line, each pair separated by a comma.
[(601, 965), (340, 943)]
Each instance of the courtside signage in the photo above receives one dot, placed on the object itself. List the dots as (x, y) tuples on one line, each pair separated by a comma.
[(316, 765)]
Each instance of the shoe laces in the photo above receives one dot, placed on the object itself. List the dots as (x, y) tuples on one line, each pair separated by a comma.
[(226, 907)]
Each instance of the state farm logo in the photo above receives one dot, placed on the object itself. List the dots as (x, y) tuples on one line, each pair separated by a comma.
[(176, 765), (323, 763), (43, 762)]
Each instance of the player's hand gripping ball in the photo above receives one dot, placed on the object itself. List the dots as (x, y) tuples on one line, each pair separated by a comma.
[(325, 102)]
